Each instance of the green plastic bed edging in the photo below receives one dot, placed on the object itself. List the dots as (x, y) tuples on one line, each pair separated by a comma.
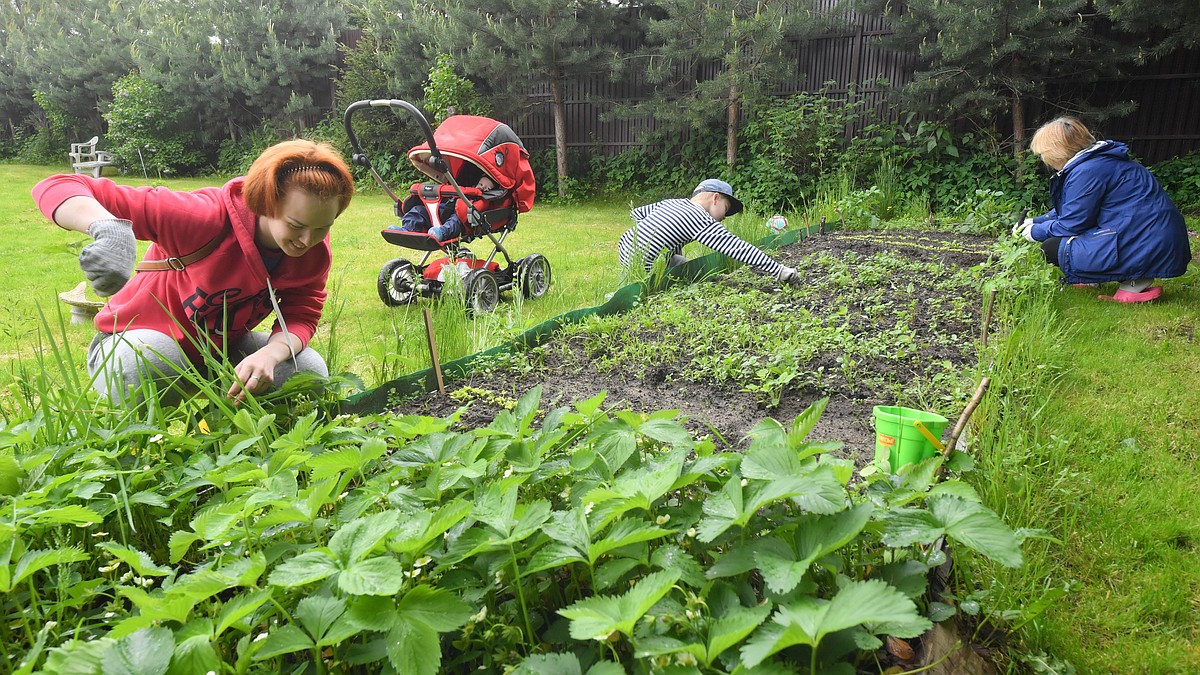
[(626, 298)]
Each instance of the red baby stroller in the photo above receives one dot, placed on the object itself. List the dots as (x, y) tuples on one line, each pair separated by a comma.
[(461, 145)]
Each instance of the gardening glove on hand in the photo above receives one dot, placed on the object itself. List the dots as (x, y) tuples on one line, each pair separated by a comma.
[(1023, 228), (108, 261), (789, 276), (1027, 231)]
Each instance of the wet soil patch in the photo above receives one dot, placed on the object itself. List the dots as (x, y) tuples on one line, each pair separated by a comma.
[(865, 283)]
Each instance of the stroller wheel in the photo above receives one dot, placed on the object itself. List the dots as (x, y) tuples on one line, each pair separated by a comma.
[(533, 274), (398, 282), (481, 291)]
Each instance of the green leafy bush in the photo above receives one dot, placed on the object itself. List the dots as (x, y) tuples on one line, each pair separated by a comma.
[(145, 133), (235, 157), (790, 143), (665, 165), (48, 144), (986, 212), (1180, 177), (448, 93), (793, 149), (930, 161)]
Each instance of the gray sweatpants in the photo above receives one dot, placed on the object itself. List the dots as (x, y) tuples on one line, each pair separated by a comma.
[(122, 363)]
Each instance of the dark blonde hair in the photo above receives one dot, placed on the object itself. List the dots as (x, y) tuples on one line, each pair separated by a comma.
[(1060, 139), (315, 168)]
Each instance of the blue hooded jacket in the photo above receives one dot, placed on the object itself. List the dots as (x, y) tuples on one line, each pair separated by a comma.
[(1116, 221)]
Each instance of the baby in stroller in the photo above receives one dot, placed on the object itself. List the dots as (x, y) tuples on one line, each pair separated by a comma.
[(419, 218), (482, 181)]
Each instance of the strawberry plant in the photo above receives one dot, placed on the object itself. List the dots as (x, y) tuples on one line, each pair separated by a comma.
[(551, 540)]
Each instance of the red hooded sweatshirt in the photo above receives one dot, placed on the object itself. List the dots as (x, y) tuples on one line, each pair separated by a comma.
[(221, 297)]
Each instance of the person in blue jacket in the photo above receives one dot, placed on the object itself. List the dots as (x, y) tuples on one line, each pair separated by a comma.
[(1110, 221)]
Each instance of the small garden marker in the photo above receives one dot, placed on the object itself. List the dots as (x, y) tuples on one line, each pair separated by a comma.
[(433, 354)]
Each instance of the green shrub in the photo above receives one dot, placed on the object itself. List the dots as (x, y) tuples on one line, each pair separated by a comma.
[(235, 157), (145, 133), (790, 143), (628, 171), (949, 169), (1180, 177), (447, 93), (986, 212), (48, 144), (665, 165)]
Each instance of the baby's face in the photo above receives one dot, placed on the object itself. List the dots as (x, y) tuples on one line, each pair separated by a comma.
[(486, 183)]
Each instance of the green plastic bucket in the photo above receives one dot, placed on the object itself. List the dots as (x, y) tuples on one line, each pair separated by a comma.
[(898, 441)]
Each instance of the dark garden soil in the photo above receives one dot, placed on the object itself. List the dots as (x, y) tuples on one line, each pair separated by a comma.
[(569, 374)]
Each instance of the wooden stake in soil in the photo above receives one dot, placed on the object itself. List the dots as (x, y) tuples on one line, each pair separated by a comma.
[(962, 421), (433, 355), (987, 314)]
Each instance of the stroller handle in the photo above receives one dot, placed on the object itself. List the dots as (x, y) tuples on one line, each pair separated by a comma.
[(360, 157)]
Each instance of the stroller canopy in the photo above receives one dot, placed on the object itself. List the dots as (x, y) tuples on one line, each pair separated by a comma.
[(491, 146)]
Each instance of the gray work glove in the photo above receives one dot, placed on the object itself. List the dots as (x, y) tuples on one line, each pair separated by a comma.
[(108, 261), (789, 276)]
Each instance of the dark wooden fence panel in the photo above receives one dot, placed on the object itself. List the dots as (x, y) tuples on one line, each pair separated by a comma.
[(1166, 123), (1167, 120)]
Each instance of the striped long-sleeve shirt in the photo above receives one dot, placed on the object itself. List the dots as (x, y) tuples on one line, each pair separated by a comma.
[(669, 225)]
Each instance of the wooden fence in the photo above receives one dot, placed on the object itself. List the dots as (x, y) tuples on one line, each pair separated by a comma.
[(1166, 123)]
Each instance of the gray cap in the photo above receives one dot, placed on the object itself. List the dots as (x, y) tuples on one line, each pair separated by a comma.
[(720, 187)]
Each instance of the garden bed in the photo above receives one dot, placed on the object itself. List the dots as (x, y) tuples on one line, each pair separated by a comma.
[(884, 317)]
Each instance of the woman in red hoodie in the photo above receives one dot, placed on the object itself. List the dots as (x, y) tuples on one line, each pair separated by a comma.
[(220, 261)]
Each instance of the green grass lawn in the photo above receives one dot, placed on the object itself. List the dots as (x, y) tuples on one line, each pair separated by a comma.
[(1131, 410), (1091, 434)]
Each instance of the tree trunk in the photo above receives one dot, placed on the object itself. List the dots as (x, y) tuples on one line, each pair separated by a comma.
[(1020, 141), (560, 132), (731, 127)]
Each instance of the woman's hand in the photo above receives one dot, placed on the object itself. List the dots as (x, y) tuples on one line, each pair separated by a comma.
[(108, 261), (254, 375), (1024, 229)]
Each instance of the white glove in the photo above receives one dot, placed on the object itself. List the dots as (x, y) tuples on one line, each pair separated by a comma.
[(789, 276), (1024, 229)]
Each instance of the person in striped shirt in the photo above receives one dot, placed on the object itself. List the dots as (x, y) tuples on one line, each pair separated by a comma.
[(665, 227)]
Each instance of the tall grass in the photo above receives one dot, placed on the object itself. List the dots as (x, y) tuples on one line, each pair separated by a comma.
[(1088, 433)]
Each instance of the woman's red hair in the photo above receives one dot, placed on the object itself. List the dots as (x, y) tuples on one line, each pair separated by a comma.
[(315, 168)]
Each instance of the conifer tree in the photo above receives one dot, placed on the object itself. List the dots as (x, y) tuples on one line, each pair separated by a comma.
[(508, 47), (239, 63), (1175, 22), (70, 51), (16, 93), (982, 58), (710, 60)]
